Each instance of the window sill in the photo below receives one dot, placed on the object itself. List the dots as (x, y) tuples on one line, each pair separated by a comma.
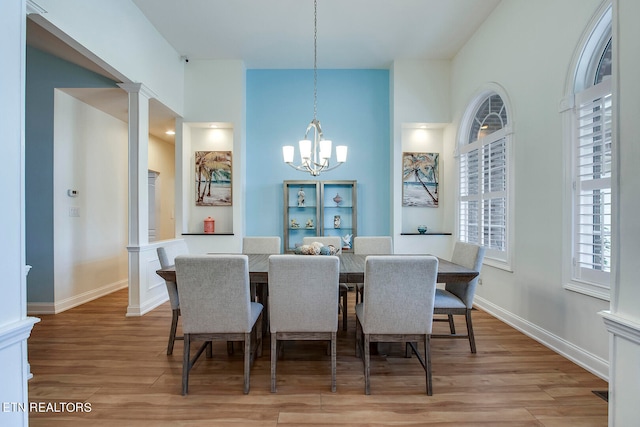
[(496, 263), (589, 289)]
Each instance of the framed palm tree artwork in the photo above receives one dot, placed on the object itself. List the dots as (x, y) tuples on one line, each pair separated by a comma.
[(213, 178), (420, 181)]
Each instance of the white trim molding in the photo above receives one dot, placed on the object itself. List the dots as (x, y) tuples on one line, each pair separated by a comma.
[(591, 362), (621, 326), (16, 332), (33, 7), (76, 300)]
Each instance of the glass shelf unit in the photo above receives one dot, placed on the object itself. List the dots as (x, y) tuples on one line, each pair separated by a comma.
[(319, 208)]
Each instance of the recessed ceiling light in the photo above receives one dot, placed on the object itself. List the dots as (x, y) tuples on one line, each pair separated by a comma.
[(170, 132)]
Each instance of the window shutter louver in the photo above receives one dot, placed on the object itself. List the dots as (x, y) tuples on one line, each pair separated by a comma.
[(592, 194)]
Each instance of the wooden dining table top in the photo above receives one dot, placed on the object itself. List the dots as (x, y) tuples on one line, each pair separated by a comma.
[(351, 269)]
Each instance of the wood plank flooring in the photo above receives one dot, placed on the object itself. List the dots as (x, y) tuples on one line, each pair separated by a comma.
[(117, 364)]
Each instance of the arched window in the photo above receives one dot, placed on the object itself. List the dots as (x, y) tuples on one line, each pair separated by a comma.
[(590, 140), (483, 172)]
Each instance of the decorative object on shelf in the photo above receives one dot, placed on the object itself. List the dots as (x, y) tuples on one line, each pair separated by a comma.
[(337, 199), (294, 223), (209, 225), (301, 198), (420, 179), (346, 241), (213, 178), (309, 223), (315, 159), (336, 221), (422, 229)]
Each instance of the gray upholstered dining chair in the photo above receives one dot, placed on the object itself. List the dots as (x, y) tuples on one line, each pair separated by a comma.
[(335, 241), (166, 259), (216, 306), (370, 245), (303, 293), (457, 298), (262, 245), (397, 307)]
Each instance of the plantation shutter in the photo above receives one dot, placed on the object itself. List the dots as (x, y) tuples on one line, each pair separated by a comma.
[(483, 193), (592, 185)]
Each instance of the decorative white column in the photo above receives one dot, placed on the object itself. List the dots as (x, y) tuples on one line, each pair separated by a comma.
[(15, 325), (144, 294), (139, 96)]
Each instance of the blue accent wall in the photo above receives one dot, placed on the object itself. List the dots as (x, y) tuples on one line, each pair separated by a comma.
[(353, 108), (44, 73)]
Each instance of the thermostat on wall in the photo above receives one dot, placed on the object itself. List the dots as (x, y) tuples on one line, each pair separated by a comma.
[(72, 193)]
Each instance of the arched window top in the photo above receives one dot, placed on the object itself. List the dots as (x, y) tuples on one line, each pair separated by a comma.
[(594, 63), (603, 70), (490, 116)]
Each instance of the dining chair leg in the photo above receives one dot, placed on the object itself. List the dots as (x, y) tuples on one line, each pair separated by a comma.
[(472, 339), (172, 331), (274, 360), (333, 362), (427, 362), (358, 337), (259, 334), (452, 326), (209, 354), (247, 361), (367, 367), (344, 292), (185, 364)]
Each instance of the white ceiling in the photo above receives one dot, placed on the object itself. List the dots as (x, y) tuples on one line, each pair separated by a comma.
[(279, 34), (351, 33)]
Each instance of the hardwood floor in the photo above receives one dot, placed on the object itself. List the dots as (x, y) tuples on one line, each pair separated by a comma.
[(117, 364)]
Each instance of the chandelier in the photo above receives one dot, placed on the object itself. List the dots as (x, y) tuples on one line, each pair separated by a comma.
[(315, 155)]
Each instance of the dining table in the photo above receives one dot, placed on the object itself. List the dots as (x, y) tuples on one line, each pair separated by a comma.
[(351, 269)]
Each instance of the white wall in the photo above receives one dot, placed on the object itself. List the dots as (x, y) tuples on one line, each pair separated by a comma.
[(624, 319), (214, 92), (15, 327), (420, 94), (117, 36), (162, 160), (526, 47), (90, 156)]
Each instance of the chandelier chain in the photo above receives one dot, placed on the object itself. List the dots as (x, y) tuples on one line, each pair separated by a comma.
[(316, 154), (315, 59)]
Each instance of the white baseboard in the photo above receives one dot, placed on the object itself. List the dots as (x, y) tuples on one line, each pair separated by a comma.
[(592, 363), (133, 311), (74, 301)]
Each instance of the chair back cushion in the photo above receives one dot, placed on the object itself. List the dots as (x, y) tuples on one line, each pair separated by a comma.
[(261, 245), (372, 245), (470, 256), (168, 253), (325, 240), (166, 256), (400, 293), (214, 293), (303, 293)]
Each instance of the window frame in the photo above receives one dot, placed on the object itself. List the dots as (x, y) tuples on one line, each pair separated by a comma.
[(493, 257), (582, 73)]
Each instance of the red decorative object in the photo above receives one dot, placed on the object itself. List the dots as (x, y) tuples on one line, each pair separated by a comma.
[(209, 225)]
